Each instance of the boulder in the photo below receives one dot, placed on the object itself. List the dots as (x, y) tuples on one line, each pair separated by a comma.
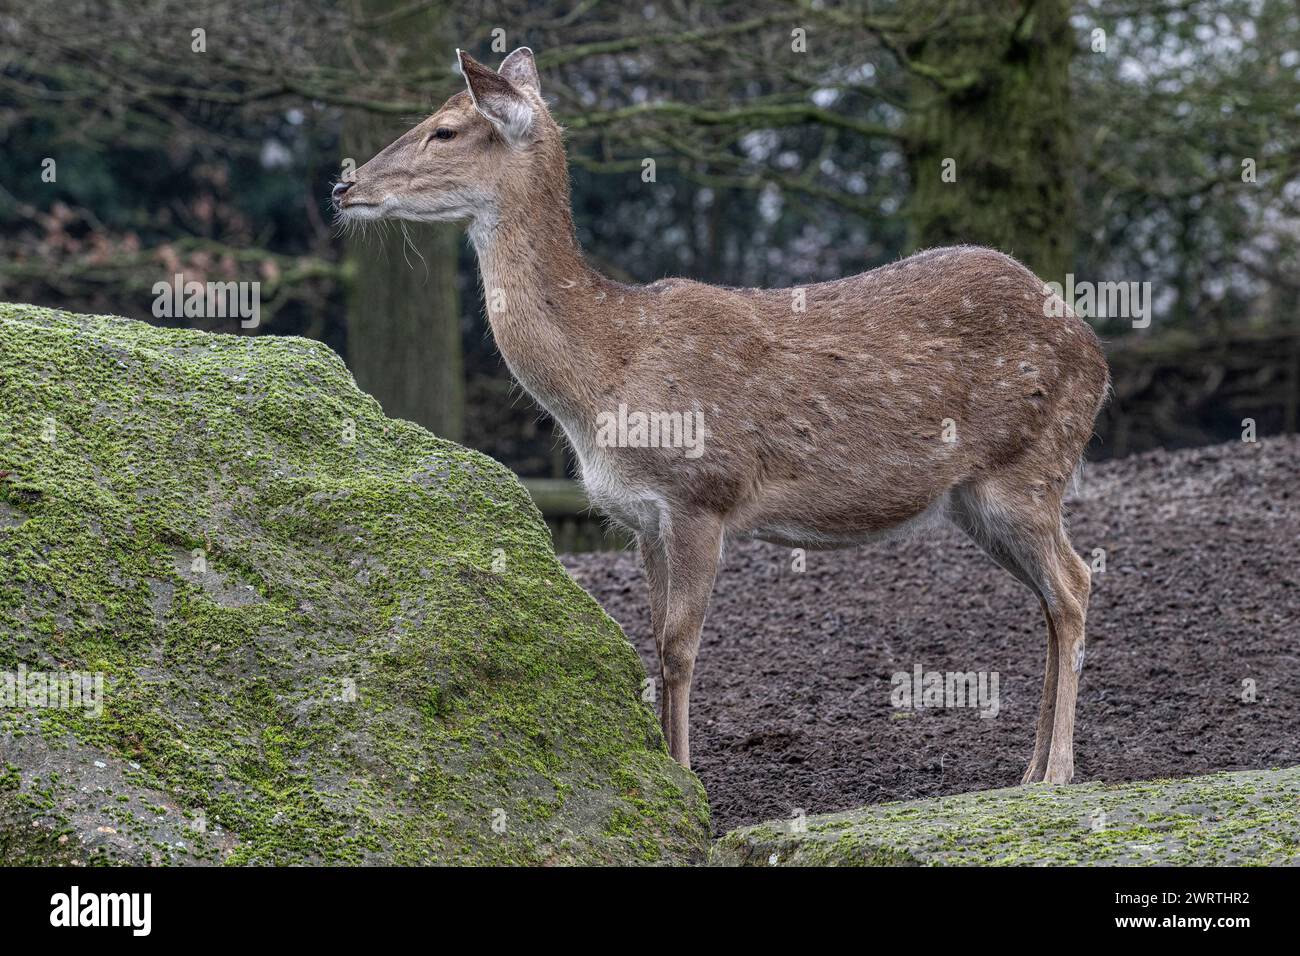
[(320, 635), (1219, 820)]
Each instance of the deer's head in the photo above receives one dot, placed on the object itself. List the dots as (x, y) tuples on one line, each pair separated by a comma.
[(490, 143)]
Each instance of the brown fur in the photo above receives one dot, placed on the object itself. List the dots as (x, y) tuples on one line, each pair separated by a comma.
[(824, 414)]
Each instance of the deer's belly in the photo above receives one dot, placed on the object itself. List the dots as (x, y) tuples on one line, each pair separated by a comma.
[(817, 532)]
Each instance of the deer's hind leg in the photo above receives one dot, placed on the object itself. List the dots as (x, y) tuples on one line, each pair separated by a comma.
[(1070, 616), (1020, 528)]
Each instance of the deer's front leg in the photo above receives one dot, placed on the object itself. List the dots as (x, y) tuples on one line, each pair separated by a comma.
[(694, 545), (654, 558)]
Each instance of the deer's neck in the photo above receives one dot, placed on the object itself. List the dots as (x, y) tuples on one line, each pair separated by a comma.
[(543, 302)]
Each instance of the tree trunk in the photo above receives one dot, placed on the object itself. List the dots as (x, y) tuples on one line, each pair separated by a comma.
[(991, 85), (403, 310)]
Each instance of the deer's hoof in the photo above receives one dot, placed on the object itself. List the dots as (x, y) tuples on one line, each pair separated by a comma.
[(1033, 774), (1058, 775)]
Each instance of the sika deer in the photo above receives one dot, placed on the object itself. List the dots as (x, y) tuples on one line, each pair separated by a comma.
[(936, 386)]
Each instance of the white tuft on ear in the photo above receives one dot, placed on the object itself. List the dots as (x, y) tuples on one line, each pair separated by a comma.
[(514, 117), (498, 99)]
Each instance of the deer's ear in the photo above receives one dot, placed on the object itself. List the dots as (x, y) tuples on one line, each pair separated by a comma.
[(498, 99), (520, 69)]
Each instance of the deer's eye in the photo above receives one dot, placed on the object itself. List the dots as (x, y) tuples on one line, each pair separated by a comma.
[(443, 132)]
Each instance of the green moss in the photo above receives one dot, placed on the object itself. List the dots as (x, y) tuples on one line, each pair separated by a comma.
[(1246, 818), (304, 633)]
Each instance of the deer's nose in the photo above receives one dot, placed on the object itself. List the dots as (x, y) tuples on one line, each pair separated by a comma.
[(339, 189)]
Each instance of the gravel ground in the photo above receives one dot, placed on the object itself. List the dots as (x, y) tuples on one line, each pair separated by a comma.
[(791, 708)]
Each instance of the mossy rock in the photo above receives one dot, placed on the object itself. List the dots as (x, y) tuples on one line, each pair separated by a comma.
[(1228, 819), (325, 636)]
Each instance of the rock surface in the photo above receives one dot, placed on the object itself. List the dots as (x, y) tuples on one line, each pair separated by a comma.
[(1223, 819), (324, 635)]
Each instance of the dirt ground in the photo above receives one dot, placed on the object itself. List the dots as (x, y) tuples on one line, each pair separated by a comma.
[(791, 708)]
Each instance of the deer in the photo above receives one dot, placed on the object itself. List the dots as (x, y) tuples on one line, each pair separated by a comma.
[(950, 385)]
